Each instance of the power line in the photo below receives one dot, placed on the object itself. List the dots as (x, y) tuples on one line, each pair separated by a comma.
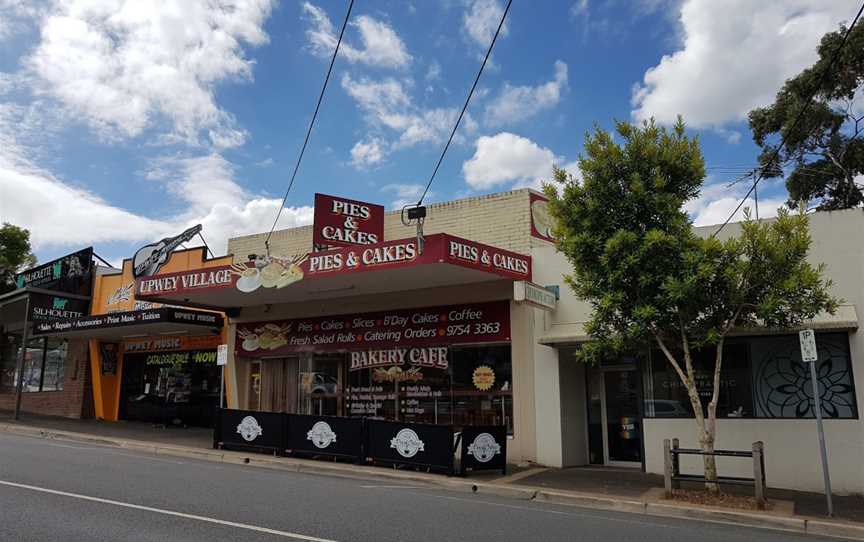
[(467, 100), (809, 101), (311, 124)]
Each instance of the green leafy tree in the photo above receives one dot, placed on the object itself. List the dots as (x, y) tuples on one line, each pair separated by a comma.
[(824, 153), (652, 282), (15, 254)]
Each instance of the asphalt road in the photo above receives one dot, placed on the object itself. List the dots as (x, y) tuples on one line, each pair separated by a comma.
[(70, 491)]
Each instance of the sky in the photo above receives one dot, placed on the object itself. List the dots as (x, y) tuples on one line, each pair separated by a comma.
[(125, 121)]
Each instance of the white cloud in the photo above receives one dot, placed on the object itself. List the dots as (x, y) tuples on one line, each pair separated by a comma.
[(579, 8), (434, 71), (716, 202), (122, 66), (405, 194), (387, 104), (726, 65), (481, 20), (365, 154), (381, 46), (267, 162), (507, 157), (514, 104)]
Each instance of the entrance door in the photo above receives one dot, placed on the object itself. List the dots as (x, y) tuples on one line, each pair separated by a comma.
[(614, 418)]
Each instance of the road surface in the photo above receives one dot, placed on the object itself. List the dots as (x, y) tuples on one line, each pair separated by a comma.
[(70, 491)]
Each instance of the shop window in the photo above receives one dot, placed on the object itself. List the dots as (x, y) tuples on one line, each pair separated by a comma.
[(762, 377), (9, 345), (55, 362), (44, 362), (782, 384), (666, 396), (475, 388), (320, 384)]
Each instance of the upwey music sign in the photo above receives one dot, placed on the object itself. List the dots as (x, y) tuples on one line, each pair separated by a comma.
[(346, 222)]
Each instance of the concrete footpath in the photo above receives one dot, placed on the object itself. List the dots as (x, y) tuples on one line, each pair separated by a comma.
[(516, 486)]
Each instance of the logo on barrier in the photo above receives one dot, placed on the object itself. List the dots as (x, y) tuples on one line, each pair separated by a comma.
[(484, 448), (321, 435), (407, 443), (249, 429)]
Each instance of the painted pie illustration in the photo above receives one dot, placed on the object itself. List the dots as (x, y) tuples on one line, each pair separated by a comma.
[(271, 274), (541, 217)]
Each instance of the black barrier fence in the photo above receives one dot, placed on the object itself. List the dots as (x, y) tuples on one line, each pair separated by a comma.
[(484, 447), (250, 430), (417, 444), (330, 436), (428, 446)]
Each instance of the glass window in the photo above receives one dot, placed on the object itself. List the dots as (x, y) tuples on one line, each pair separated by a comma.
[(762, 377), (55, 362), (320, 384), (482, 386), (9, 345), (782, 384), (666, 395)]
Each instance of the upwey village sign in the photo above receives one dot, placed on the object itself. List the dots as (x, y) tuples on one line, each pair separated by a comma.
[(346, 222)]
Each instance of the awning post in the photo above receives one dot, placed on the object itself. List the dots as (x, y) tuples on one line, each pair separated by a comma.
[(20, 366)]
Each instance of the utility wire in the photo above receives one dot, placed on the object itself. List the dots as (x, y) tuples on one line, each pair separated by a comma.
[(807, 104), (311, 124), (467, 100), (206, 245)]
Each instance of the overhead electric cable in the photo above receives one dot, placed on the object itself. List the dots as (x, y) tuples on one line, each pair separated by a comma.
[(467, 100), (809, 101), (311, 124)]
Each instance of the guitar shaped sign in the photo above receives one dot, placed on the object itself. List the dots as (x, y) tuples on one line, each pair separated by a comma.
[(150, 258)]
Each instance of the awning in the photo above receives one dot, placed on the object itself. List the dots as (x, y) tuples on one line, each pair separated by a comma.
[(844, 319), (123, 325), (372, 269)]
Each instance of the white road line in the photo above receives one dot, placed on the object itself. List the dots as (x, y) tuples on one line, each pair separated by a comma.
[(393, 487), (205, 519)]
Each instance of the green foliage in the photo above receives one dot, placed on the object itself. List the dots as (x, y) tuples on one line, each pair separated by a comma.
[(824, 152), (15, 254), (647, 275)]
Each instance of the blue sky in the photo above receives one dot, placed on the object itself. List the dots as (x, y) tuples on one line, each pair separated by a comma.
[(125, 121)]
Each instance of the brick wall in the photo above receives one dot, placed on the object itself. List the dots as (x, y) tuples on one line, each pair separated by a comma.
[(501, 220), (68, 402)]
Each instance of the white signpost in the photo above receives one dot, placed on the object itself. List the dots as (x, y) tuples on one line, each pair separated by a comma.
[(809, 355), (222, 361)]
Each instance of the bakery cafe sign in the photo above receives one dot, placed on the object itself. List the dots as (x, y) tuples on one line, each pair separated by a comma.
[(346, 222)]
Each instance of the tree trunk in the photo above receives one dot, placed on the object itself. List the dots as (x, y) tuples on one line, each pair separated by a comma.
[(706, 442)]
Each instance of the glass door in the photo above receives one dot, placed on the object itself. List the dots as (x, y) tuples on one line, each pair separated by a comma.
[(623, 420), (614, 418)]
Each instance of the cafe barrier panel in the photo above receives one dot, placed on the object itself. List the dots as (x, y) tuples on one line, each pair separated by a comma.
[(332, 436), (484, 447), (250, 430), (418, 444), (422, 445)]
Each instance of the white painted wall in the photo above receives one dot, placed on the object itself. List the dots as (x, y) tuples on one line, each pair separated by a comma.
[(791, 450)]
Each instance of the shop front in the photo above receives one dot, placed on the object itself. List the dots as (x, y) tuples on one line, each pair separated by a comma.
[(48, 376), (448, 365)]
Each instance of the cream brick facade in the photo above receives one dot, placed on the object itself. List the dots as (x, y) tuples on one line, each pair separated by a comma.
[(501, 220)]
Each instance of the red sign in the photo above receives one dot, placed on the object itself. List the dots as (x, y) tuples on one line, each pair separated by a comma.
[(541, 219), (278, 273), (378, 334), (346, 222)]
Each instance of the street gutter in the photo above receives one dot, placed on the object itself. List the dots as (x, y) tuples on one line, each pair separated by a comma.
[(500, 488)]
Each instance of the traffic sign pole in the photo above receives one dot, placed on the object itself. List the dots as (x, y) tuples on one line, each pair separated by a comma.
[(817, 404), (810, 355)]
